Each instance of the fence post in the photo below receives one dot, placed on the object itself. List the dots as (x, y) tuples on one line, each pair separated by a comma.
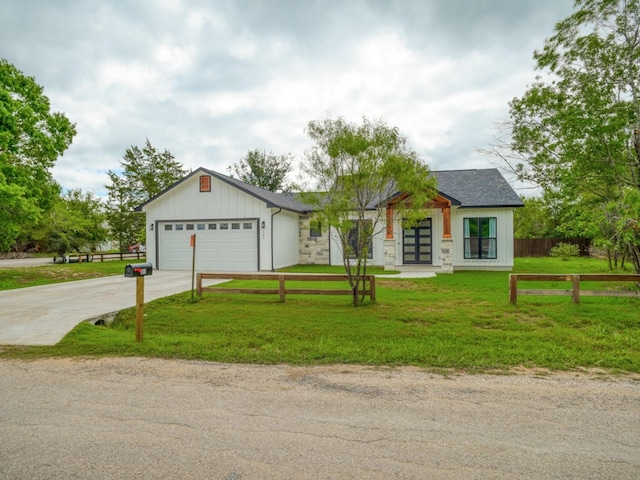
[(281, 289), (513, 288), (372, 288), (199, 284), (575, 293)]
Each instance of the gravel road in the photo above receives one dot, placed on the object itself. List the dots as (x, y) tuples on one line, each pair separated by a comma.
[(133, 418)]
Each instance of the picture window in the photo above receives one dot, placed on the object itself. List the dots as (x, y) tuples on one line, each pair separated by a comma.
[(480, 238)]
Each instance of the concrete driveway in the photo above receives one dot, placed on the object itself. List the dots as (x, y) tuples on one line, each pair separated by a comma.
[(43, 315)]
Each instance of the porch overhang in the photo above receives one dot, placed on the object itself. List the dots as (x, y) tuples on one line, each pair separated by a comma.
[(444, 204)]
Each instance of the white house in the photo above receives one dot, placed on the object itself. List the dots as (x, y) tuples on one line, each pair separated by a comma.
[(239, 227)]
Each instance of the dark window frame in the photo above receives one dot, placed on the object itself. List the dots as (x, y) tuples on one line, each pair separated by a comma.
[(315, 228), (352, 240), (479, 245)]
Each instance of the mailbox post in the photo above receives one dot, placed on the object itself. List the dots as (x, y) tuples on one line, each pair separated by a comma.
[(139, 271)]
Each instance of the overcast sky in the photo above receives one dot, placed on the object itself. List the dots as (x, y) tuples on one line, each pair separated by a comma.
[(211, 79)]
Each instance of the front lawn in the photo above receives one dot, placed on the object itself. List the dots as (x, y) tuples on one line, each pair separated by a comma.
[(462, 321), (11, 278)]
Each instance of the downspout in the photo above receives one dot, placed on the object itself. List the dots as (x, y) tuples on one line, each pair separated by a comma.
[(273, 215)]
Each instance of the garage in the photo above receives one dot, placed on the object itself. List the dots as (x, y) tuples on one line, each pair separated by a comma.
[(221, 245)]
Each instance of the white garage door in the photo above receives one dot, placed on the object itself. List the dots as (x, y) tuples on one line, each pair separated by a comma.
[(229, 246)]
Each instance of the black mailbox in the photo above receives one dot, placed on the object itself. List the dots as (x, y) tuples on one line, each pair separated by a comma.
[(138, 270)]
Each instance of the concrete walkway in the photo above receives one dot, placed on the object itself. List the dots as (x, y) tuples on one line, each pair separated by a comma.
[(43, 315)]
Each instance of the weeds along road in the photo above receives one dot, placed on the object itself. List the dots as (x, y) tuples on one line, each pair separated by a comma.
[(132, 418)]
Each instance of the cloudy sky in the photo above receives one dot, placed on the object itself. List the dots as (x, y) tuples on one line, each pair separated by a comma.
[(211, 79)]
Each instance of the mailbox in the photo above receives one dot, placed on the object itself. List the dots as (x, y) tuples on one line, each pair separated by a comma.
[(138, 270)]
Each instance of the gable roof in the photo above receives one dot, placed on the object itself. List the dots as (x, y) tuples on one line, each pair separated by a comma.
[(286, 201), (478, 188)]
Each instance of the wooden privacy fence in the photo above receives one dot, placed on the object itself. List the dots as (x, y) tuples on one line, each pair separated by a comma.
[(540, 247), (282, 278), (575, 280)]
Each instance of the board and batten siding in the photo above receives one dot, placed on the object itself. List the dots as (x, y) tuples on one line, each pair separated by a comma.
[(378, 243), (286, 251), (504, 234), (185, 202)]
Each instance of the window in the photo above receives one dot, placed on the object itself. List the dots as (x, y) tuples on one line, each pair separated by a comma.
[(189, 226), (315, 228), (168, 227), (213, 226), (480, 238), (205, 183), (235, 226), (354, 245), (247, 226), (179, 226), (201, 226), (224, 226)]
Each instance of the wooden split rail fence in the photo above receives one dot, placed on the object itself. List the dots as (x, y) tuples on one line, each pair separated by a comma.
[(575, 280), (90, 257), (282, 278)]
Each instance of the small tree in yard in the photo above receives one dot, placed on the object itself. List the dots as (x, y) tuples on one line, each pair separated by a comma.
[(358, 169)]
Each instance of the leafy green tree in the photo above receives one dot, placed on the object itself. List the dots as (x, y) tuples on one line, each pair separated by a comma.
[(75, 223), (31, 140), (358, 169), (264, 170), (576, 130), (145, 173), (535, 220)]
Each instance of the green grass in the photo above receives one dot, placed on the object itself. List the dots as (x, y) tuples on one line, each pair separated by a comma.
[(11, 278), (462, 322)]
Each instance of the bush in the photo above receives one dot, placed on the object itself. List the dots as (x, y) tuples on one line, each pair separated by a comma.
[(564, 251)]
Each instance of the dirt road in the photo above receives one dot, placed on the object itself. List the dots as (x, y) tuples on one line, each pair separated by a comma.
[(150, 419)]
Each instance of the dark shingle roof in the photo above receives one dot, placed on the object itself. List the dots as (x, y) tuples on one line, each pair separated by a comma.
[(465, 188), (477, 188), (287, 201)]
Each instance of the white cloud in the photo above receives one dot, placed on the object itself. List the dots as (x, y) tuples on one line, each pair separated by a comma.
[(209, 79)]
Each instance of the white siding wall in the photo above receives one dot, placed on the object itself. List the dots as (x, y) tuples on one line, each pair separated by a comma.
[(286, 249), (504, 218), (378, 243), (186, 202)]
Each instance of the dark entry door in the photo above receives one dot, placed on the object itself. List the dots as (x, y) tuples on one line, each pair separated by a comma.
[(416, 244)]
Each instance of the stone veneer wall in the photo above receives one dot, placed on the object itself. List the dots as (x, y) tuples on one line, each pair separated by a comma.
[(313, 250), (447, 255)]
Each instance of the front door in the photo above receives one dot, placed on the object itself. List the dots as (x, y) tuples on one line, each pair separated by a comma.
[(416, 244)]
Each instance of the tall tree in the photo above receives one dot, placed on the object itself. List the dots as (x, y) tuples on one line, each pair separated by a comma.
[(145, 173), (576, 130), (264, 170), (31, 140), (73, 224), (358, 168)]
